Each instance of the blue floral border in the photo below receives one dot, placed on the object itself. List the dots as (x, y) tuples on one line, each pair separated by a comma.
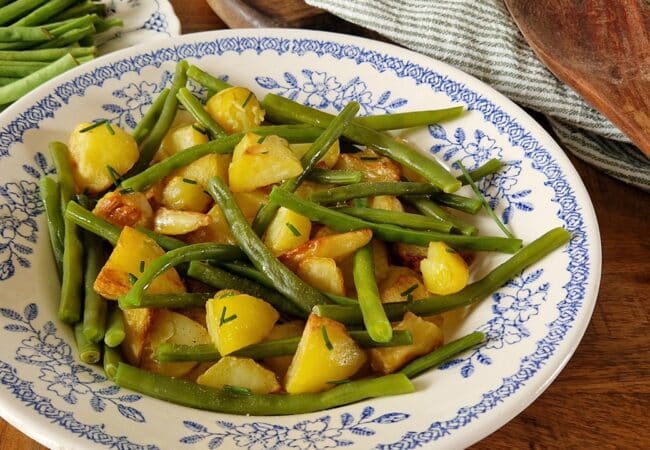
[(541, 160)]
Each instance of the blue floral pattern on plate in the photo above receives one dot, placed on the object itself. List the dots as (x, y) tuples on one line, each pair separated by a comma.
[(514, 306)]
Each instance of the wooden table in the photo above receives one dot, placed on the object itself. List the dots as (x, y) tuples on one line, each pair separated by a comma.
[(602, 398)]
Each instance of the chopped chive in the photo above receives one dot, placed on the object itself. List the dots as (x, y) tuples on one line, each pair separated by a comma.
[(224, 320), (199, 129), (326, 338), (486, 205), (114, 174), (409, 290), (188, 181), (250, 95), (369, 158), (409, 298), (337, 382), (93, 126), (132, 278), (141, 266), (260, 140), (236, 390), (293, 229), (110, 128)]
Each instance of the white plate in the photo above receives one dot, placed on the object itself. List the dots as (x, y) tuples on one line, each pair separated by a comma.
[(534, 323)]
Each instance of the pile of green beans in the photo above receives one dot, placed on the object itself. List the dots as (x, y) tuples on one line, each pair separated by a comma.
[(79, 238), (41, 39)]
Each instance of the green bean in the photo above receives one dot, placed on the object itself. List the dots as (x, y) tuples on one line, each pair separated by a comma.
[(61, 158), (442, 354), (61, 28), (391, 233), (47, 55), (115, 331), (429, 208), (398, 121), (51, 197), (160, 265), (72, 276), (407, 220), (17, 89), (221, 279), (490, 167), (5, 81), (103, 25), (309, 160), (19, 69), (194, 106), (112, 359), (277, 107), (180, 300), (160, 170), (69, 37), (340, 299), (95, 224), (17, 9), (24, 34), (361, 202), (286, 282), (471, 294), (465, 204), (167, 352), (149, 119), (483, 201), (206, 79), (374, 317), (195, 395), (150, 144), (94, 315), (80, 10), (368, 189), (327, 176), (89, 351), (44, 12)]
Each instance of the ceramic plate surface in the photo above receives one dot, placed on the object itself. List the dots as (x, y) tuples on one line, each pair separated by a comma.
[(534, 323)]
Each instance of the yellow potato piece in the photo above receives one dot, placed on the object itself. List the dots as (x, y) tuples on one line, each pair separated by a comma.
[(256, 164), (444, 271), (179, 138), (426, 337), (287, 230), (172, 222), (185, 194), (100, 155), (240, 372), (335, 246), (323, 274), (235, 109), (174, 328), (326, 354), (373, 166), (280, 364), (250, 202), (400, 284), (131, 210), (236, 321), (327, 162), (131, 250), (136, 326), (206, 167), (387, 202), (218, 230)]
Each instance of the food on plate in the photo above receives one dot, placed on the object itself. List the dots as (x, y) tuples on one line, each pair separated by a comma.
[(257, 268)]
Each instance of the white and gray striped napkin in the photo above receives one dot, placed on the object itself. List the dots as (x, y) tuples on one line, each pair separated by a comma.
[(479, 37)]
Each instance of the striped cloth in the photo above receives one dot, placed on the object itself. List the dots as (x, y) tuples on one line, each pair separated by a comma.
[(479, 37)]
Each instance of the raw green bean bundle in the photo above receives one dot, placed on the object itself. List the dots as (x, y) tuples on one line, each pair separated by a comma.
[(195, 395), (391, 233), (472, 293), (286, 282)]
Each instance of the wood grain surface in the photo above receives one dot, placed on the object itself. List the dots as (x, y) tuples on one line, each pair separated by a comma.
[(602, 398)]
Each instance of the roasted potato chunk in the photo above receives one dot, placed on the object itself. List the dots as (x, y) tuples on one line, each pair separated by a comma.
[(218, 230), (235, 109), (130, 210), (426, 337), (133, 250), (172, 222), (410, 255), (287, 230), (240, 372), (387, 202), (373, 166), (185, 194), (280, 364), (327, 162), (400, 285), (179, 138), (444, 271), (251, 202), (326, 354), (236, 321), (322, 273), (100, 155), (136, 326), (258, 162)]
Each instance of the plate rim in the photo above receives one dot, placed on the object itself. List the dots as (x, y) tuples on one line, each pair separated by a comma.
[(529, 123)]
